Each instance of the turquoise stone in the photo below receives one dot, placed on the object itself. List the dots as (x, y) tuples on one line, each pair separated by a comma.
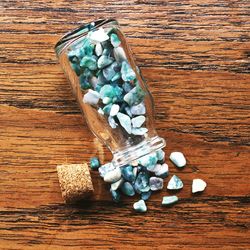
[(88, 62), (142, 182), (88, 48), (127, 189), (127, 72), (128, 174), (101, 79), (118, 94), (169, 200), (76, 67), (146, 195), (104, 169), (116, 77), (138, 121), (125, 122), (106, 109), (119, 54), (175, 183), (115, 41), (117, 184), (84, 83), (160, 155), (155, 183), (148, 160), (116, 196), (94, 163), (107, 91), (161, 170), (104, 61), (140, 206)]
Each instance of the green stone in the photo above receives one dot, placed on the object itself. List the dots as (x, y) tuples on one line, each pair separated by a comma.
[(127, 189), (107, 91), (106, 109), (127, 72), (169, 200), (104, 61), (115, 41), (116, 77), (89, 62)]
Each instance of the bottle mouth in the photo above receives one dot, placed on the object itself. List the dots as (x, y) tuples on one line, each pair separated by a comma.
[(79, 32)]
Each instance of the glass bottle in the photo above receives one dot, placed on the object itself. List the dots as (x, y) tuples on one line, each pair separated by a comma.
[(110, 89)]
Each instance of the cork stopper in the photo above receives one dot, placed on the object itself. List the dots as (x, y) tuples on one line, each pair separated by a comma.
[(75, 182)]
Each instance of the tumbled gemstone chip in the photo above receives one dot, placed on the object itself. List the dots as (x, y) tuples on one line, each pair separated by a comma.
[(127, 72), (125, 122), (104, 61), (198, 185), (116, 196), (140, 206), (169, 200), (127, 189), (178, 159), (89, 62), (115, 41), (94, 163), (155, 183), (128, 174), (113, 175), (175, 183)]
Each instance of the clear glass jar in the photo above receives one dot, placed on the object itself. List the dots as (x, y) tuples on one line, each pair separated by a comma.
[(110, 89)]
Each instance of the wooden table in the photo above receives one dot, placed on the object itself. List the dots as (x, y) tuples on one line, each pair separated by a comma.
[(195, 57)]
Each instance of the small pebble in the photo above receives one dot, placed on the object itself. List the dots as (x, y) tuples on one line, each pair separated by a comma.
[(155, 183), (139, 131), (127, 189), (138, 121), (138, 109), (116, 196), (140, 206), (125, 122), (198, 185), (104, 61), (115, 41), (98, 49), (94, 163), (178, 159), (146, 195), (128, 174), (119, 54), (175, 183), (117, 184), (114, 110), (169, 200), (161, 170), (112, 122), (127, 72), (104, 169), (91, 97), (98, 36), (142, 182), (160, 155), (113, 175)]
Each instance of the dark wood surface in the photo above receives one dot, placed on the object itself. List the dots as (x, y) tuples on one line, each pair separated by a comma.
[(195, 57)]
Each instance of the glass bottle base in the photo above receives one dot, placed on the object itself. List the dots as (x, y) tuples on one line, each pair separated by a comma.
[(130, 154)]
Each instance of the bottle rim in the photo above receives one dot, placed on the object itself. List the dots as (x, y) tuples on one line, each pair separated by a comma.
[(80, 31)]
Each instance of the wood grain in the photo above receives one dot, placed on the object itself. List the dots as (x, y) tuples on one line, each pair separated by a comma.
[(195, 57)]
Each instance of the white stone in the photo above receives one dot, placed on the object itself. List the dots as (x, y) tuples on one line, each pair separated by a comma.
[(98, 36), (93, 81), (138, 109), (138, 121), (119, 54), (100, 111), (161, 170), (113, 176), (114, 110), (178, 159), (139, 131), (98, 49), (106, 100), (91, 97), (112, 122), (135, 170), (117, 184), (198, 185), (140, 206)]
